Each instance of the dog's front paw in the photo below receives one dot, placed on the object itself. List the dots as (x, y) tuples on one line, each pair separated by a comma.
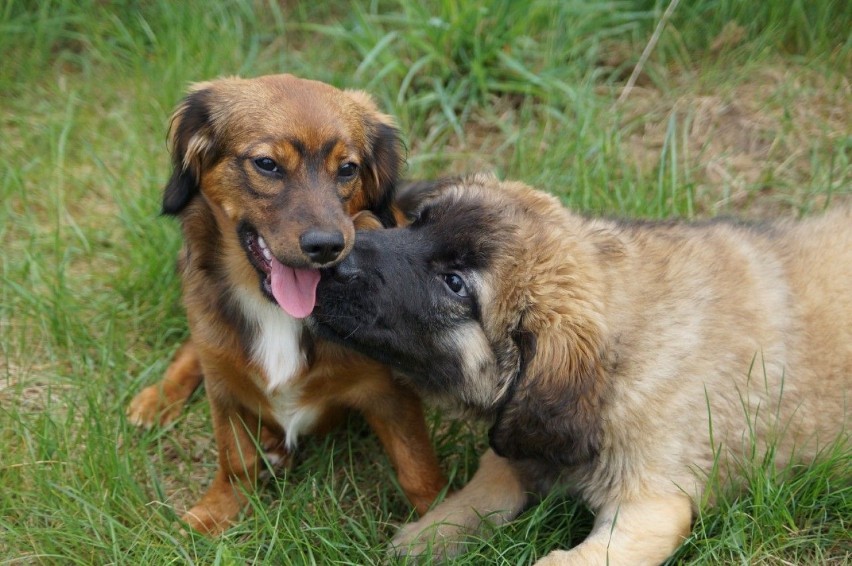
[(562, 558), (208, 520), (154, 405), (424, 538)]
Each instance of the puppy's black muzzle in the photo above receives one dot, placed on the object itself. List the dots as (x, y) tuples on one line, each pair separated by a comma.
[(366, 262), (345, 272)]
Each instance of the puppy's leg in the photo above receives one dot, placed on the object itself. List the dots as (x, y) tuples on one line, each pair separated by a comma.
[(162, 402), (239, 463), (399, 423), (635, 533), (495, 494)]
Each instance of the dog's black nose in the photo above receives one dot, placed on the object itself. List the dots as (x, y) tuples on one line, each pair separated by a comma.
[(322, 247), (346, 271)]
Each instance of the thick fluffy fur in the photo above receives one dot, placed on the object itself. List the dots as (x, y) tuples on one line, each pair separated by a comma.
[(629, 361), (290, 161)]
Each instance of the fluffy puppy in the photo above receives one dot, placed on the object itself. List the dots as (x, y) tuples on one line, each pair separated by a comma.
[(268, 174), (628, 361)]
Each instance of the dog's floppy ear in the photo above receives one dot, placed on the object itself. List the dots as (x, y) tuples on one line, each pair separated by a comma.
[(384, 159), (413, 194), (552, 411), (192, 143)]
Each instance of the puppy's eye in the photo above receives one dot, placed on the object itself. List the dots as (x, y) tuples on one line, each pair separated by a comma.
[(455, 284), (347, 170), (266, 164)]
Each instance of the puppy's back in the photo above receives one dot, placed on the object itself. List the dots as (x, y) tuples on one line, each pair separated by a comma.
[(705, 300), (817, 254)]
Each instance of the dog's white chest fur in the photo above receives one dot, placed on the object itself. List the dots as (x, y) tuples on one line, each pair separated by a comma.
[(277, 349)]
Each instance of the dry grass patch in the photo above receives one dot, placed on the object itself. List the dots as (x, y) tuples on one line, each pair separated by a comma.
[(750, 145)]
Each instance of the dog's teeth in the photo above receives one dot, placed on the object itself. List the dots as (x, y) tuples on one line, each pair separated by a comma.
[(264, 249)]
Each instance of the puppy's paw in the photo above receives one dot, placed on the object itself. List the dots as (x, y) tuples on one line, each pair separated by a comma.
[(154, 405), (437, 540), (563, 558)]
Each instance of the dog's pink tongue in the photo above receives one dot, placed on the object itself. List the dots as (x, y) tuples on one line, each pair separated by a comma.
[(294, 289)]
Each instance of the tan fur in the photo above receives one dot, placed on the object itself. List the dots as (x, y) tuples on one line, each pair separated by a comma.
[(654, 347), (310, 129)]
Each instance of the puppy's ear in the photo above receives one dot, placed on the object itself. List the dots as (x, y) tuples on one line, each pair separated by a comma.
[(384, 160), (413, 194), (192, 143), (552, 412)]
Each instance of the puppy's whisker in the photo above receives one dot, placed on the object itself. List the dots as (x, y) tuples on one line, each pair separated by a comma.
[(351, 334)]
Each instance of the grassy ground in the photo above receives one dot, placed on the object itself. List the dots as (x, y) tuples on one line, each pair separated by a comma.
[(741, 108)]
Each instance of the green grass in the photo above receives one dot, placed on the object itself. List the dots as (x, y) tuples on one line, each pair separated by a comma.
[(742, 108)]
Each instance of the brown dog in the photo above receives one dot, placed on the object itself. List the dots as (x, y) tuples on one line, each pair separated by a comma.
[(268, 174), (628, 361)]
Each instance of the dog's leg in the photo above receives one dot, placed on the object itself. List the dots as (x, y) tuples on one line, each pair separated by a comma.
[(643, 532), (399, 423), (239, 463), (495, 494), (162, 402)]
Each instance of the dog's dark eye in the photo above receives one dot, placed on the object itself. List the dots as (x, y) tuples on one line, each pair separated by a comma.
[(267, 164), (456, 284), (347, 170)]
